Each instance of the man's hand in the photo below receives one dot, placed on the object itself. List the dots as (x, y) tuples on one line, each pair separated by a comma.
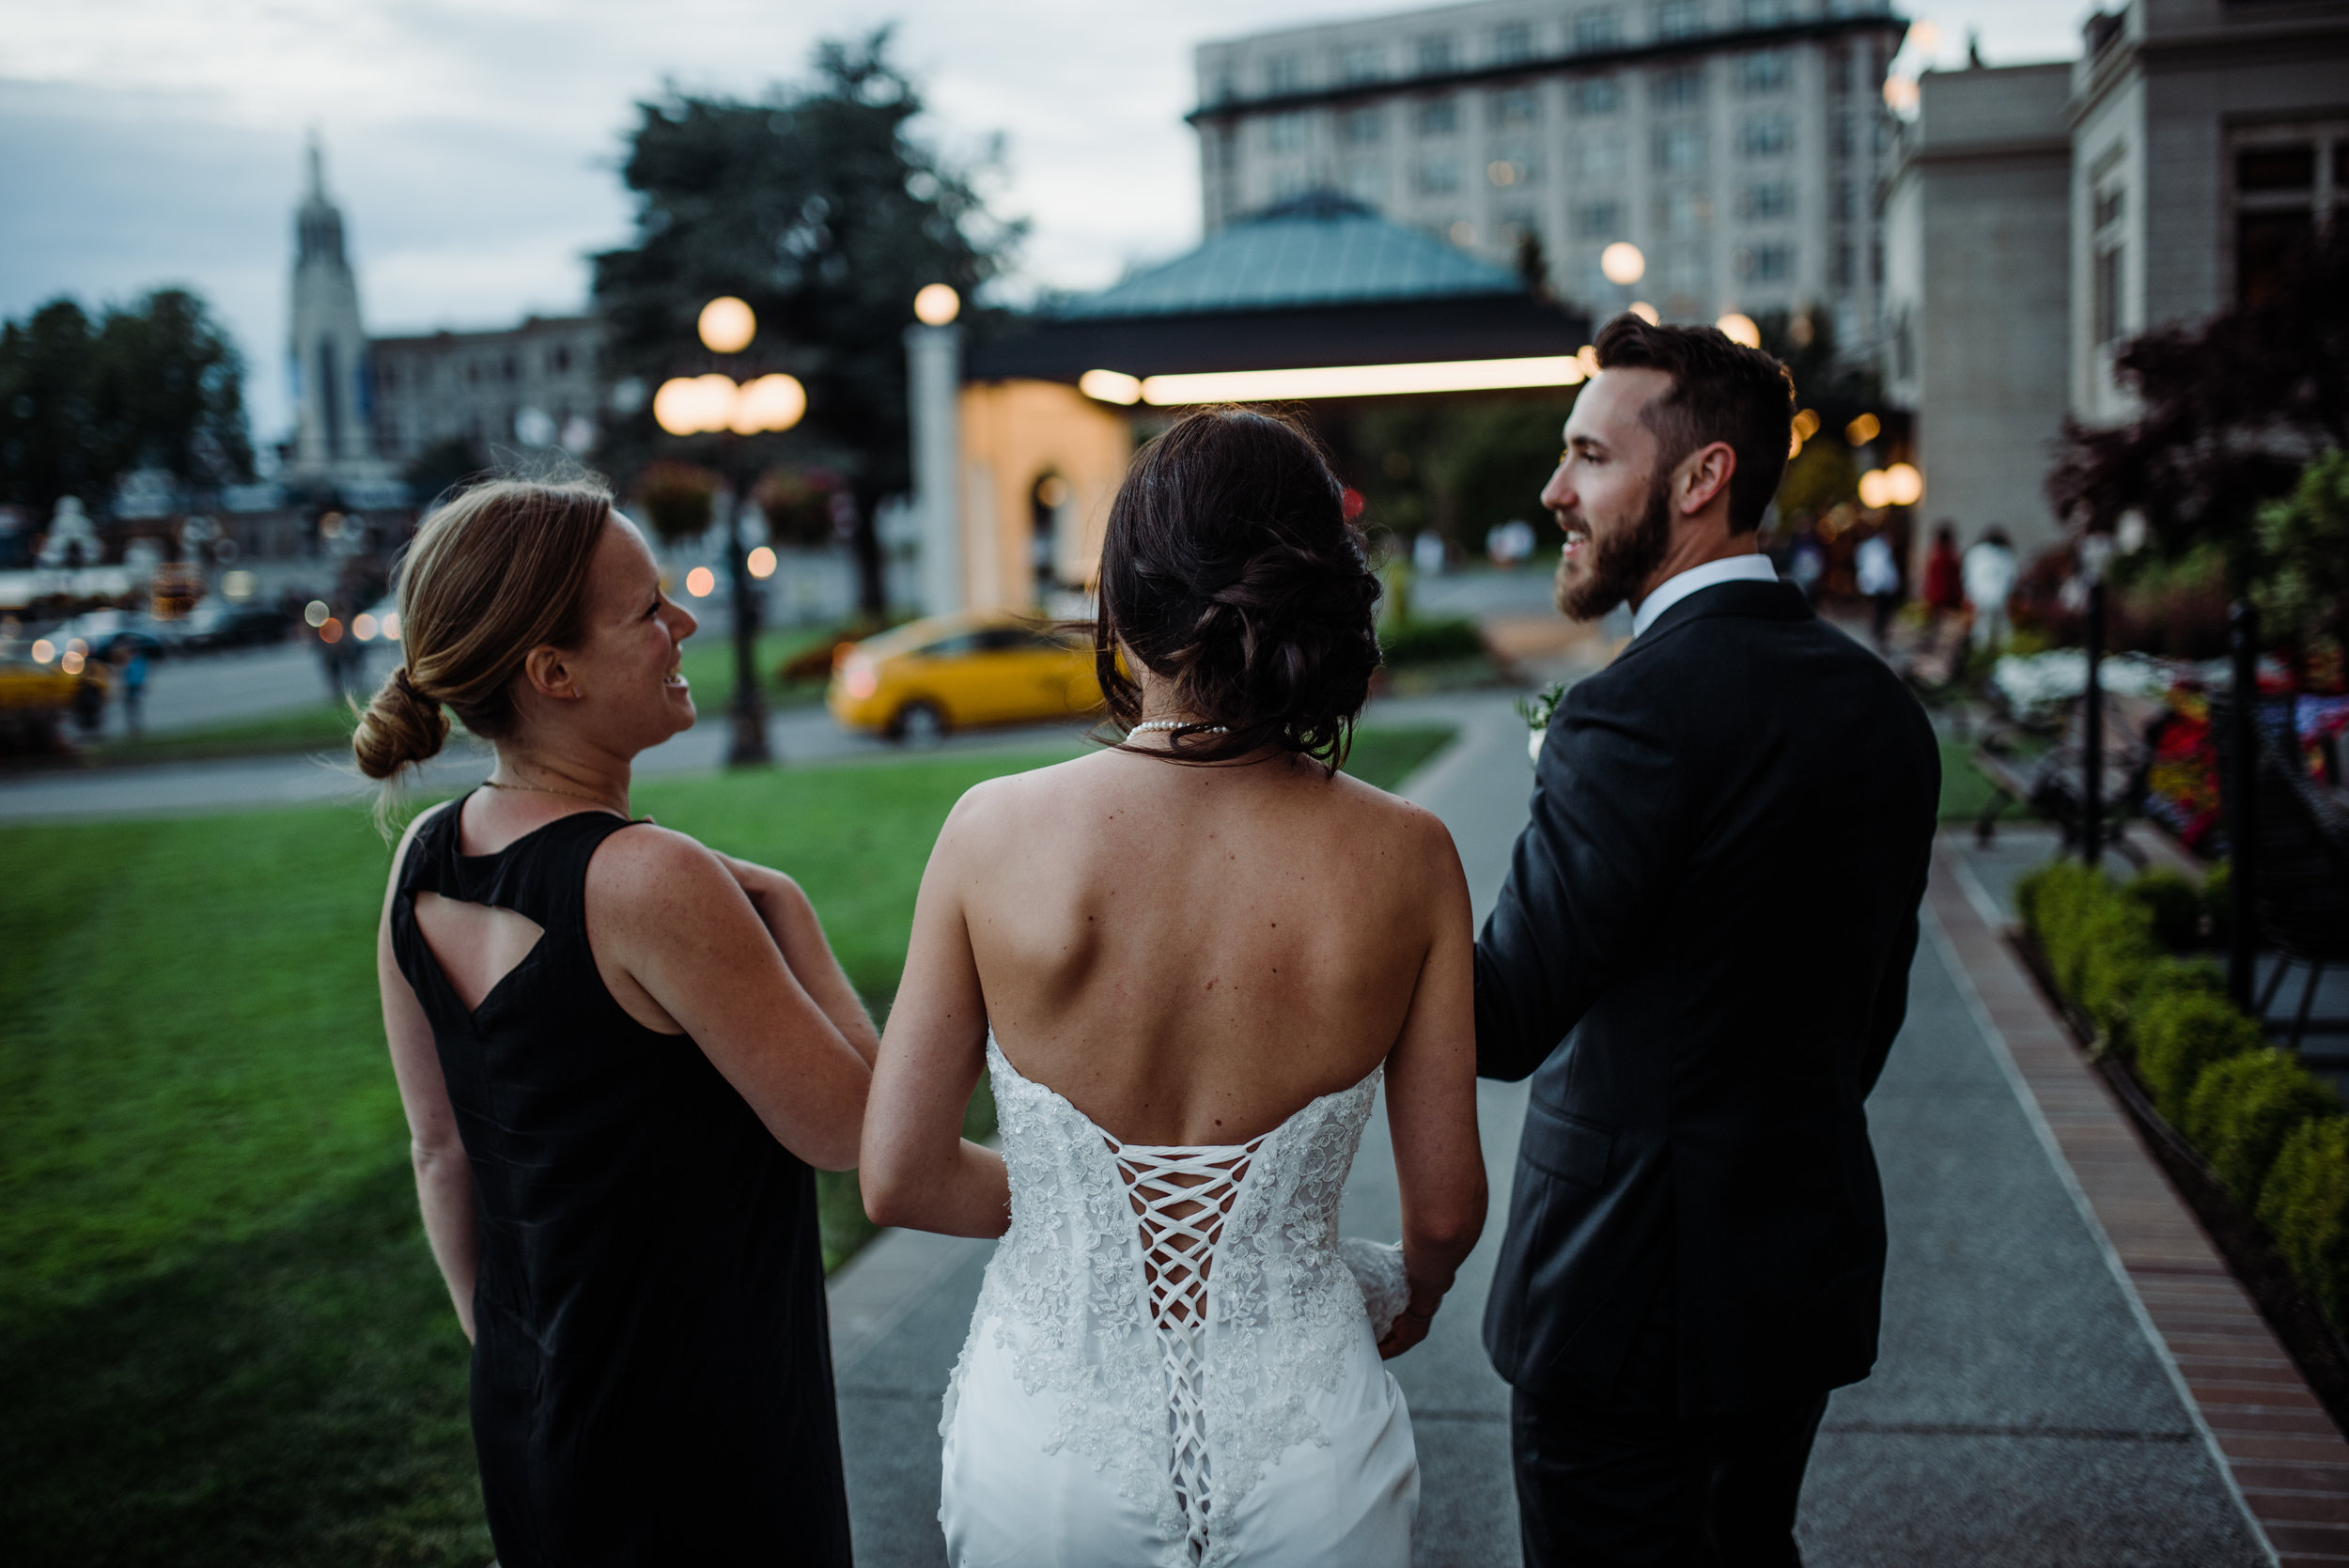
[(1406, 1330)]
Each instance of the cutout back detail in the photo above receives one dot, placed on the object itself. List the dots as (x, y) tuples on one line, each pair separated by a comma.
[(476, 946)]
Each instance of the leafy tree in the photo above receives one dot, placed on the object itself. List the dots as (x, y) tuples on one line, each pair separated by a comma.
[(817, 207), (2303, 591), (442, 466), (2233, 410), (155, 384)]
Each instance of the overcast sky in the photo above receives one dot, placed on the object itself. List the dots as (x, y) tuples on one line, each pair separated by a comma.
[(472, 144)]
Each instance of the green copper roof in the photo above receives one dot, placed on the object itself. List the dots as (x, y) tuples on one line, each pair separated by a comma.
[(1321, 249)]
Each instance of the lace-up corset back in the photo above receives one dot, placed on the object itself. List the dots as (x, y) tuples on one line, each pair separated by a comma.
[(1177, 1304)]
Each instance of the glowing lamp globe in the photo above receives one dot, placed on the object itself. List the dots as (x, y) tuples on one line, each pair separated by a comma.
[(1739, 328), (936, 305), (1623, 263), (727, 325)]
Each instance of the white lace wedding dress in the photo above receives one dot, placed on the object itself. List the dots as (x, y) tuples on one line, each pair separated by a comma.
[(1174, 1361)]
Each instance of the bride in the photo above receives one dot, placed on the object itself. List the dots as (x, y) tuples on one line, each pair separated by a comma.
[(1186, 964)]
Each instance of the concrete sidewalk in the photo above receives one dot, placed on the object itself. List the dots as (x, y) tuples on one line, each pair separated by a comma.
[(2023, 1409)]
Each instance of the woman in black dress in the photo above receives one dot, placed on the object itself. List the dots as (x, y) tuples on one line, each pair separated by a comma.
[(620, 1054)]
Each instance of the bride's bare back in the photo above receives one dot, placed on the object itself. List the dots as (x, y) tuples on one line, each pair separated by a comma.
[(1191, 954)]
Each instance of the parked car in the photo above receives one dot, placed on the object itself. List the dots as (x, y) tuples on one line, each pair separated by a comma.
[(96, 634), (34, 700), (956, 672), (217, 623)]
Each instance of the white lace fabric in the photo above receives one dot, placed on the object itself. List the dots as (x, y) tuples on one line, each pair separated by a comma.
[(1177, 1307)]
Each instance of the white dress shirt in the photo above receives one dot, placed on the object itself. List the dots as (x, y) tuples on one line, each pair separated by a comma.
[(1729, 568)]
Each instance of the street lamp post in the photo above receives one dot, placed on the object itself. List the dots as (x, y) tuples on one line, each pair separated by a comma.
[(694, 405)]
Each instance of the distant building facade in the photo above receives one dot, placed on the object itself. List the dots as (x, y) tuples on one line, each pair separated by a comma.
[(2041, 216), (1738, 143), (521, 388), (1978, 224), (332, 381)]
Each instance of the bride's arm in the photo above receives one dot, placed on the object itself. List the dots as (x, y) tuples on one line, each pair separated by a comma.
[(1431, 1106), (916, 1169)]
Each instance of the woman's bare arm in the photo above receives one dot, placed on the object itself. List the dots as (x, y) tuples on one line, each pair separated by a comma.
[(673, 919), (1431, 1104), (791, 919), (918, 1169), (443, 1175)]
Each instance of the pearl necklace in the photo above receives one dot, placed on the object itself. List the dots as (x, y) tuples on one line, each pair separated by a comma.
[(1171, 724)]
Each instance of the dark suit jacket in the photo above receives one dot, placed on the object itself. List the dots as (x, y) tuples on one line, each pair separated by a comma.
[(1702, 957)]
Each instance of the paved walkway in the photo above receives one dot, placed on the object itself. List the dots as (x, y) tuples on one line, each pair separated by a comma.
[(2025, 1408)]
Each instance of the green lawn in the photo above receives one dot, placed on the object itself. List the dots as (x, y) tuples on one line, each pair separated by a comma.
[(1964, 791), (323, 728), (221, 1339)]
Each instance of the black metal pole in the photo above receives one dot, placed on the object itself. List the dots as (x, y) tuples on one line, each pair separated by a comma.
[(2243, 634), (748, 748), (2092, 738)]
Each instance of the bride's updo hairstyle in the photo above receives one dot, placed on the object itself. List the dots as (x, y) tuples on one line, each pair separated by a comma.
[(493, 574), (1231, 572)]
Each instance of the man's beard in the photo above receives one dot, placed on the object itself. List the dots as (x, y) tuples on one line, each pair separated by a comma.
[(1620, 560)]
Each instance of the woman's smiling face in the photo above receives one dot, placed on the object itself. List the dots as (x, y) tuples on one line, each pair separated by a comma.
[(625, 666)]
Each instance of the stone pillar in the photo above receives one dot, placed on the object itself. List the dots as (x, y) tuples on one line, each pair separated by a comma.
[(933, 390)]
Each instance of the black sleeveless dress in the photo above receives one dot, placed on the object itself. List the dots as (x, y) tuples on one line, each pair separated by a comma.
[(652, 1367)]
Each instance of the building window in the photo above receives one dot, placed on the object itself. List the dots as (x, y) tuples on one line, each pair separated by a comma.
[(1680, 88), (1363, 126), (2277, 199), (1601, 158), (1437, 176), (1515, 165), (1437, 117), (1367, 183), (1513, 43), (1597, 30), (1765, 135), (1284, 75), (1364, 62), (1598, 220), (559, 363), (2275, 168), (1680, 148), (1284, 133), (1516, 106), (1765, 13), (1767, 263), (2110, 205), (1764, 70), (1515, 224), (1679, 19), (1596, 94), (1840, 203), (1839, 269), (1435, 54), (1764, 202), (2105, 305), (1839, 133), (1838, 71)]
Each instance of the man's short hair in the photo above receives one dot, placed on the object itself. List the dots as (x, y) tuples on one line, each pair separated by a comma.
[(1721, 391)]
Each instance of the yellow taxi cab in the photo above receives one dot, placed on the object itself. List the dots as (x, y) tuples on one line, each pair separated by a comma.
[(956, 672)]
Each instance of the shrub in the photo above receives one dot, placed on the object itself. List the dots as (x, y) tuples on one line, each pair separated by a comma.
[(2162, 977), (2175, 904), (2243, 1108), (2178, 1035), (2305, 1206), (1429, 640)]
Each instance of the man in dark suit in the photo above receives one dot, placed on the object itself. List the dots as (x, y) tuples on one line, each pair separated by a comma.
[(1700, 957)]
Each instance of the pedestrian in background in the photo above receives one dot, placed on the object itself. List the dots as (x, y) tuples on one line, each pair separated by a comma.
[(1880, 581), (1810, 561), (1945, 584), (133, 659), (1989, 583)]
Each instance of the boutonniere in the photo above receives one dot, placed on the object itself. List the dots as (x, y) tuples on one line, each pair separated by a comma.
[(1537, 711)]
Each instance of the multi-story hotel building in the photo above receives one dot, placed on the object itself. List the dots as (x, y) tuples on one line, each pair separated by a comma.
[(1738, 143)]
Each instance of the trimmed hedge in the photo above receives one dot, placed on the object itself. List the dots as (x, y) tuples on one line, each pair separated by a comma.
[(2245, 1106), (2182, 1036), (2274, 1133), (1429, 640), (2305, 1205)]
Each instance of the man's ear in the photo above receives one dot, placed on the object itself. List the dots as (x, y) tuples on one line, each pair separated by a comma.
[(548, 674), (1704, 475)]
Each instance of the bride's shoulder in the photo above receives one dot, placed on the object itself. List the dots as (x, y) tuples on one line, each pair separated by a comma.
[(1012, 802)]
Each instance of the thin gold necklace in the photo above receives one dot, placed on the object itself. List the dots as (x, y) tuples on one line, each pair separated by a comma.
[(549, 789)]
